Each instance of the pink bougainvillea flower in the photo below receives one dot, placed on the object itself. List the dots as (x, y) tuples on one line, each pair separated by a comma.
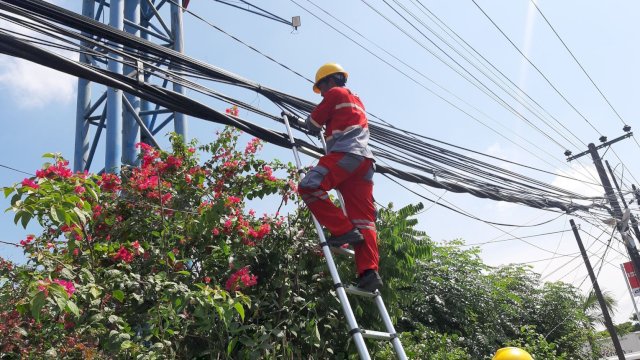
[(166, 198), (79, 190), (27, 241), (124, 255), (67, 285), (30, 183), (109, 182), (174, 162), (242, 276), (97, 210)]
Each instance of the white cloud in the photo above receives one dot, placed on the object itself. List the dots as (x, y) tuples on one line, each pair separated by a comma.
[(30, 84), (586, 181), (495, 150)]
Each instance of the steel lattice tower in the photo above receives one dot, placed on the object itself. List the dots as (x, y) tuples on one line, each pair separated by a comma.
[(116, 114)]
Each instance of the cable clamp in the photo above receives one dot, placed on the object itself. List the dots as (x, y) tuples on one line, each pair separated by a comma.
[(324, 243), (338, 285), (354, 331), (139, 71)]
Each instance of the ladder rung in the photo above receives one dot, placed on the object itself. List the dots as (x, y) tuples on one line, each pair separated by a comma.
[(353, 290), (378, 335), (342, 251)]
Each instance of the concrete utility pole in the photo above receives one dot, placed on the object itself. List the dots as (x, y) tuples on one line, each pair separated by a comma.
[(596, 288), (632, 250), (634, 221), (117, 113)]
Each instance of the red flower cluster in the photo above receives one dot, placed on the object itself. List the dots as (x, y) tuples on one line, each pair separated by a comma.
[(123, 254), (6, 264), (30, 183), (253, 146), (67, 285), (233, 111), (109, 182), (60, 168), (242, 276), (27, 241), (267, 174)]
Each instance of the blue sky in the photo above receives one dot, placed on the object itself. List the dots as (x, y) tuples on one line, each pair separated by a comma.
[(38, 105)]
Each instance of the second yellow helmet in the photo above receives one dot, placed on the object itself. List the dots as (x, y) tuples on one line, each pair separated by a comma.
[(326, 70), (512, 353)]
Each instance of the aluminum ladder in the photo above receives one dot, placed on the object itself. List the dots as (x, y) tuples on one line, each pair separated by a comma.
[(356, 332)]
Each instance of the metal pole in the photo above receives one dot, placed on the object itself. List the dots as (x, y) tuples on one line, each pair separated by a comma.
[(179, 120), (130, 128), (633, 299), (145, 106), (611, 196), (113, 155), (81, 152), (634, 221), (596, 289)]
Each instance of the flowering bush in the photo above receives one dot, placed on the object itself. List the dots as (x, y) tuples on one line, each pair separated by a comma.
[(152, 261), (166, 261)]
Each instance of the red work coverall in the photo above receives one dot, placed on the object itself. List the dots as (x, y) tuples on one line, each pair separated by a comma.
[(348, 167)]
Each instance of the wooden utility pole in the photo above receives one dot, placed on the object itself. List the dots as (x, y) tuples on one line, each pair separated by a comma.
[(634, 221)]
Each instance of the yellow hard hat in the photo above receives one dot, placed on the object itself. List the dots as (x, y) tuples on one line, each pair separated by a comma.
[(326, 70), (512, 353)]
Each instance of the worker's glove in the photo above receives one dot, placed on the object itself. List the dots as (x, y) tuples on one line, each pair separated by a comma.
[(313, 131)]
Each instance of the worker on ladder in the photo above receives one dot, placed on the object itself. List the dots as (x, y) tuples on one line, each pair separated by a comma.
[(347, 166)]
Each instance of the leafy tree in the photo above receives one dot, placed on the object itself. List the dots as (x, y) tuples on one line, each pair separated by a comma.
[(485, 307)]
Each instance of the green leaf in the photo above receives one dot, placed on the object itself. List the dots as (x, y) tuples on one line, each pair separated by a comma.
[(240, 309), (7, 191), (54, 214), (118, 294), (126, 345), (73, 308), (66, 273), (26, 217), (80, 214), (17, 217), (95, 292), (15, 199), (37, 303), (231, 346)]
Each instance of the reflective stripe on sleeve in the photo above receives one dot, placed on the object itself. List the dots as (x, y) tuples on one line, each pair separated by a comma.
[(352, 105)]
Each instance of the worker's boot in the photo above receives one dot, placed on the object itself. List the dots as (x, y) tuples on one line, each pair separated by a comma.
[(353, 237), (370, 281)]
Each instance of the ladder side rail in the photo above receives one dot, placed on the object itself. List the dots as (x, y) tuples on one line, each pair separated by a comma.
[(397, 345), (354, 330)]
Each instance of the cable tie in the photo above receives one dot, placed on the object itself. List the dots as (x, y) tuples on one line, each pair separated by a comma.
[(354, 331), (338, 285)]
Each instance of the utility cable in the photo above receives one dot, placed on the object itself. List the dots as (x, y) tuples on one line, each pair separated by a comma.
[(535, 67), (577, 62)]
